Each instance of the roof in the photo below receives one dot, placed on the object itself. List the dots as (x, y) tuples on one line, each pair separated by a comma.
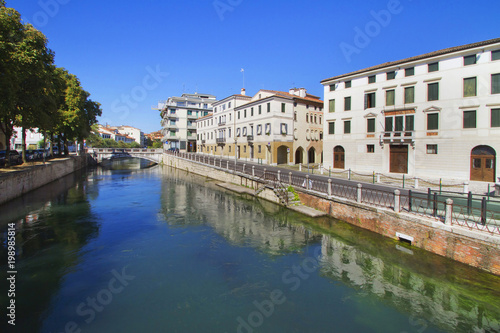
[(415, 58), (288, 95)]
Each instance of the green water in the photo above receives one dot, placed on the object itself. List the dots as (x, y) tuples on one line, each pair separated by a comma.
[(137, 249)]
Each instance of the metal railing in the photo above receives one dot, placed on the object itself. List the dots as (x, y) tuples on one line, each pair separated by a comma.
[(474, 214)]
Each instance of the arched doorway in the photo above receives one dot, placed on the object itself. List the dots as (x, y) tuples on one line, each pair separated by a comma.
[(299, 153), (311, 155), (482, 164), (338, 157), (282, 154)]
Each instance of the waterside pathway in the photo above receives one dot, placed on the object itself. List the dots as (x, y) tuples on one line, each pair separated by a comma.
[(133, 249)]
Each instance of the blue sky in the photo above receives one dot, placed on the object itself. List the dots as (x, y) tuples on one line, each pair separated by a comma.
[(131, 54)]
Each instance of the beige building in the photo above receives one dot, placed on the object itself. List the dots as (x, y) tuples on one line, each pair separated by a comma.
[(272, 127)]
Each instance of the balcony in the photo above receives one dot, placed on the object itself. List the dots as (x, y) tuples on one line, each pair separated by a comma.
[(249, 138), (191, 127), (170, 127), (222, 123), (220, 140), (192, 116), (398, 137), (171, 138), (171, 116)]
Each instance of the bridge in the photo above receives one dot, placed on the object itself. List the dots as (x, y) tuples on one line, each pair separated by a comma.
[(102, 154)]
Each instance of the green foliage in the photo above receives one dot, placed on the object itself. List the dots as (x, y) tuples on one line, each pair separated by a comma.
[(295, 194), (157, 144)]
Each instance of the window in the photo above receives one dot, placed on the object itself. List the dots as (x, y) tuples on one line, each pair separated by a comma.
[(307, 117), (432, 149), (259, 129), (347, 126), (370, 125), (268, 128), (434, 67), (331, 106), (410, 71), (251, 112), (238, 132), (409, 123), (320, 120), (229, 148), (372, 79), (389, 97), (260, 149), (348, 84), (244, 131), (268, 107), (432, 121), (495, 55), (295, 116), (470, 87), (469, 119), (245, 149), (332, 87), (238, 114), (495, 83), (347, 103), (245, 113), (370, 148), (495, 117), (260, 109), (369, 100), (284, 128), (391, 75), (409, 95), (229, 132), (331, 127), (283, 107), (470, 60), (433, 91)]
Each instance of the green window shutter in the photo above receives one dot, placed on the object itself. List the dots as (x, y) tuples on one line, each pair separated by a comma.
[(332, 87), (388, 124), (410, 71), (391, 75), (331, 107), (469, 119), (268, 107), (470, 60), (399, 121), (409, 95), (495, 55), (370, 125), (347, 103), (348, 84), (433, 91), (283, 107), (434, 67), (495, 83), (331, 127), (409, 123), (372, 79), (495, 117), (470, 87), (432, 121), (389, 97), (347, 126)]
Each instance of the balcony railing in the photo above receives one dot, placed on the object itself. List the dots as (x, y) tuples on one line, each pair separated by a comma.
[(399, 136), (249, 138), (192, 116), (222, 123), (220, 140)]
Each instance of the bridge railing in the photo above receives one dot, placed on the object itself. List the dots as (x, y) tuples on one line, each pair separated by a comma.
[(124, 150)]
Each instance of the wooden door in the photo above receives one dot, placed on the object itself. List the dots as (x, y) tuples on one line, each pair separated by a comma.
[(338, 158), (398, 159), (482, 168)]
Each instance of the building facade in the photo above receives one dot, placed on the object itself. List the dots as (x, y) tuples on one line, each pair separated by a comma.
[(33, 137), (272, 127), (179, 116), (112, 132), (434, 115), (134, 133)]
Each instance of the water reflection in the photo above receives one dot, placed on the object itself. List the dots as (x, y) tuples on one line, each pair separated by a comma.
[(431, 290)]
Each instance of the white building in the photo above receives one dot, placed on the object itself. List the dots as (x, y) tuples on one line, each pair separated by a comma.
[(32, 138), (110, 132), (273, 127), (132, 132), (433, 115), (179, 116)]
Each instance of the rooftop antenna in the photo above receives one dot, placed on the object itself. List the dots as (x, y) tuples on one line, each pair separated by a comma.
[(243, 72)]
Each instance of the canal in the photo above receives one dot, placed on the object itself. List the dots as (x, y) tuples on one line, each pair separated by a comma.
[(134, 248)]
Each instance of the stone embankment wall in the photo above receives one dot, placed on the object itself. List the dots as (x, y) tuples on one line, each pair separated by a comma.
[(474, 248), (16, 183)]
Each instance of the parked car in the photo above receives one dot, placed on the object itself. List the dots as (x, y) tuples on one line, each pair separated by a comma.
[(15, 157), (31, 155), (42, 153)]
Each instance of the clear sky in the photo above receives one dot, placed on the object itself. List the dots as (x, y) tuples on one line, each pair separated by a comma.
[(131, 54)]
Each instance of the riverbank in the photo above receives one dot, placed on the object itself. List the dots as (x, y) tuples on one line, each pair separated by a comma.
[(19, 181), (475, 248)]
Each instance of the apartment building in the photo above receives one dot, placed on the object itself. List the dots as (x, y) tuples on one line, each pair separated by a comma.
[(433, 115), (272, 127), (179, 116), (133, 132)]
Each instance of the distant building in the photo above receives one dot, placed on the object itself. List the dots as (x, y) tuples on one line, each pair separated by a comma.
[(32, 138), (274, 127), (179, 116), (433, 115), (133, 132), (154, 135), (110, 132)]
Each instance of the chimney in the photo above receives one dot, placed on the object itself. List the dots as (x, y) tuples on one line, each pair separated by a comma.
[(243, 91), (302, 92)]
